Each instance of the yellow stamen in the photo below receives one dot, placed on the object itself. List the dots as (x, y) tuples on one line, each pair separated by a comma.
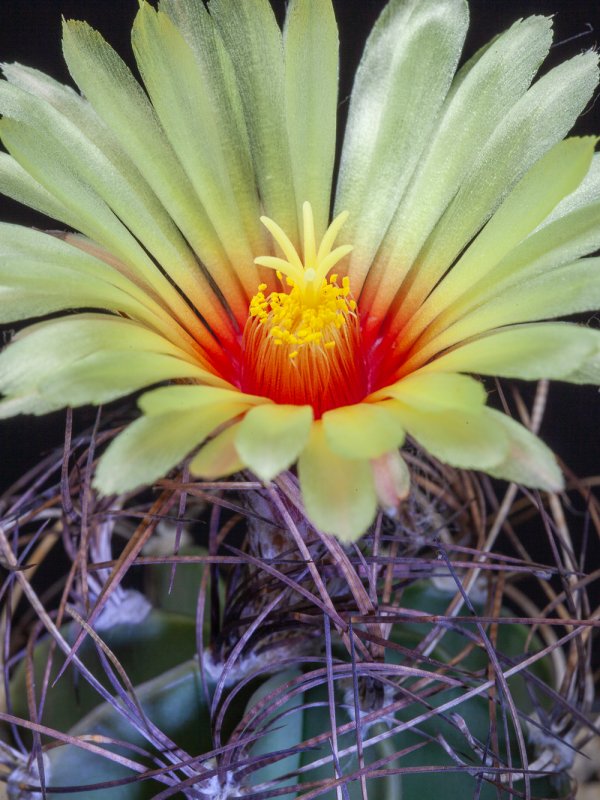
[(315, 309)]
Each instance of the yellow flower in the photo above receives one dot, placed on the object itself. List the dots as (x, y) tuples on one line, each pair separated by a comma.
[(207, 255)]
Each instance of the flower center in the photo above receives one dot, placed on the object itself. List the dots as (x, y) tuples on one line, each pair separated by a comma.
[(302, 345)]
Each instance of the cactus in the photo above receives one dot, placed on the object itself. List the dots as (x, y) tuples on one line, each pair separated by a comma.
[(408, 664), (295, 571)]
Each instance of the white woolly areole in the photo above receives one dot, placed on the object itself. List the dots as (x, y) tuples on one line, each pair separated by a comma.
[(126, 607), (244, 665), (388, 698), (554, 751), (215, 789), (27, 776), (478, 593), (163, 540)]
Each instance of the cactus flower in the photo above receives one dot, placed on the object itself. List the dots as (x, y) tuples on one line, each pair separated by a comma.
[(275, 319)]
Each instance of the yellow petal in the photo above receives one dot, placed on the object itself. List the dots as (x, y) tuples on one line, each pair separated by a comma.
[(179, 399), (151, 446), (483, 93), (121, 103), (339, 495), (105, 376), (271, 437), (528, 461), (311, 88), (253, 41), (435, 392), (552, 350), (363, 431), (463, 438), (218, 458), (184, 101), (401, 83), (558, 173)]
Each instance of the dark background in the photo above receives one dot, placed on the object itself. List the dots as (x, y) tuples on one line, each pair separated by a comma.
[(30, 33)]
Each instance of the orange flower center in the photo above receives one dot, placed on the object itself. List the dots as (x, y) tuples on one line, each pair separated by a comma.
[(302, 346)]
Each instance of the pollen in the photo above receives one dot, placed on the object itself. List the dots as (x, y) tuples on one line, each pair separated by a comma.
[(302, 343), (312, 306), (290, 320)]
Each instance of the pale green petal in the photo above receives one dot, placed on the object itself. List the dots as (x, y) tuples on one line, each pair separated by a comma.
[(528, 461), (17, 183), (32, 403), (199, 31), (338, 493), (69, 166), (568, 238), (180, 399), (538, 121), (587, 193), (95, 379), (120, 102), (105, 376), (566, 290), (47, 160), (550, 179), (271, 437), (71, 272), (311, 90), (82, 354), (41, 273), (34, 289), (181, 95), (363, 431), (219, 457), (58, 110), (531, 352), (34, 246), (254, 43), (400, 85), (429, 391), (151, 446), (48, 346), (588, 372), (26, 295), (483, 93), (465, 439)]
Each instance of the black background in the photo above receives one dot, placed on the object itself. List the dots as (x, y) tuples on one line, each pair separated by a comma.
[(30, 34)]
